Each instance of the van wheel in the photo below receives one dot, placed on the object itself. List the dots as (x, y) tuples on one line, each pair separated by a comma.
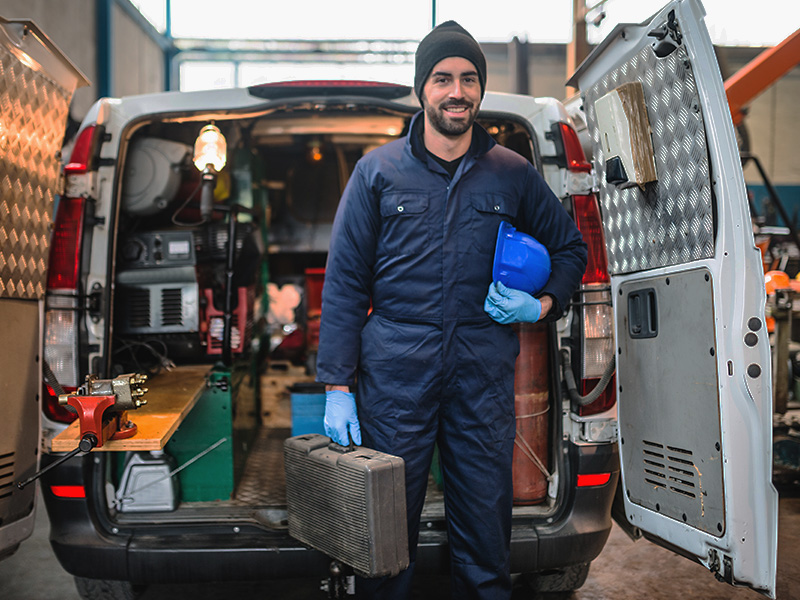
[(107, 589), (568, 579)]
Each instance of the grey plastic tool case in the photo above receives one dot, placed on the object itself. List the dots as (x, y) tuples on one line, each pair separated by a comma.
[(349, 505)]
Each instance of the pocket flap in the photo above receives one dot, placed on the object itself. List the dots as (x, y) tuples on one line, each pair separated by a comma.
[(492, 203), (404, 203)]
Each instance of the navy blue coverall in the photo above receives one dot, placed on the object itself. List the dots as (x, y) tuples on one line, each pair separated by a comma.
[(429, 363)]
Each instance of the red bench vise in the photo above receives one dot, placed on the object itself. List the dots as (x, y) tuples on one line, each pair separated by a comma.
[(102, 406)]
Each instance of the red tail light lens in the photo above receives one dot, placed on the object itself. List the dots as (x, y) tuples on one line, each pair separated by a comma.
[(53, 410), (604, 401), (587, 217), (81, 151), (328, 83), (66, 245), (576, 159), (288, 89)]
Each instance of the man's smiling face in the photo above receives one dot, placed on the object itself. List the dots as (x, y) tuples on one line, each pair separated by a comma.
[(451, 96)]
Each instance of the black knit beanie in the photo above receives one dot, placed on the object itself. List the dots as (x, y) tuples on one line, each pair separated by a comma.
[(446, 40)]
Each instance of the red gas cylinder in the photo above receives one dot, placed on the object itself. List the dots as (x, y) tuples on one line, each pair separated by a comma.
[(531, 395)]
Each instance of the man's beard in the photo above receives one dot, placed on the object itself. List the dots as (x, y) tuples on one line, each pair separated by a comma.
[(448, 127)]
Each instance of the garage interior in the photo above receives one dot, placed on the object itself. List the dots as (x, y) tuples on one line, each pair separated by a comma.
[(126, 55)]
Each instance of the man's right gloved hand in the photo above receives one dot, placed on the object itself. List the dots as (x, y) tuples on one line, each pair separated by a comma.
[(341, 417)]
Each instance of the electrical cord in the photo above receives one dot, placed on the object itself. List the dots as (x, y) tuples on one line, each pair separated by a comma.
[(162, 359), (174, 217)]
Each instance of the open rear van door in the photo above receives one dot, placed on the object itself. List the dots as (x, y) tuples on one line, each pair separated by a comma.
[(36, 85), (693, 353)]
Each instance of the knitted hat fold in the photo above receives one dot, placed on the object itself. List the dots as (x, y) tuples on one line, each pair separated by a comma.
[(446, 40)]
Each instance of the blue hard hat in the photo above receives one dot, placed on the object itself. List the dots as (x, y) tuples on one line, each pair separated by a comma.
[(520, 262)]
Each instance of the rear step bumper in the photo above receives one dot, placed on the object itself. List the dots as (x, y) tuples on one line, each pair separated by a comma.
[(87, 546)]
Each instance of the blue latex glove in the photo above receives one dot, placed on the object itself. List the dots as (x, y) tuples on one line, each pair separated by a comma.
[(506, 305), (341, 417)]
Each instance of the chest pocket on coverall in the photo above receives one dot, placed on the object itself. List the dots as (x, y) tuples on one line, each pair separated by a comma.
[(405, 222), (486, 212)]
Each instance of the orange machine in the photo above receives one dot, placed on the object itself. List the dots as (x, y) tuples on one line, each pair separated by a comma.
[(760, 73)]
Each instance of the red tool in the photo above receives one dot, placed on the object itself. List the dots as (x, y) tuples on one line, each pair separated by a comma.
[(103, 404)]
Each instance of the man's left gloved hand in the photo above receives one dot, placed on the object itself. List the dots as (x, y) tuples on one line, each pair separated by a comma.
[(506, 305)]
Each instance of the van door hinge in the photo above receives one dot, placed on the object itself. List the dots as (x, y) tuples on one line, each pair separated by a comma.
[(727, 570), (579, 183), (77, 185), (724, 571), (668, 37), (94, 220), (94, 302), (713, 561)]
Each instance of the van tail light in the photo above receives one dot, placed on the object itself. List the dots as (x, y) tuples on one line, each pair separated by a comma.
[(65, 245), (596, 311), (81, 151), (62, 303), (573, 151), (62, 306)]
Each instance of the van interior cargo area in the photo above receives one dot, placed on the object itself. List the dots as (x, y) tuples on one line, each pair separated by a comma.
[(287, 170)]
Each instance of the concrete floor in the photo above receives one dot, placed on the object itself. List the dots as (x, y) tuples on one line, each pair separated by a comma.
[(625, 570)]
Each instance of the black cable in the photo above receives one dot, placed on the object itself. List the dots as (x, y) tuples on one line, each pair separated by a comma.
[(162, 359)]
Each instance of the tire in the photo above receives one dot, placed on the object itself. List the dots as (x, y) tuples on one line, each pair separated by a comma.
[(567, 579), (107, 589)]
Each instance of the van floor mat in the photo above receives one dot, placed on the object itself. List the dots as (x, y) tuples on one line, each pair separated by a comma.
[(263, 482)]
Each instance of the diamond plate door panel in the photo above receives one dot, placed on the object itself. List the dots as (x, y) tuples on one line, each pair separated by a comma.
[(671, 221), (34, 105)]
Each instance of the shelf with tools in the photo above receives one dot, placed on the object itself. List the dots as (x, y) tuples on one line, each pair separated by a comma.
[(170, 397)]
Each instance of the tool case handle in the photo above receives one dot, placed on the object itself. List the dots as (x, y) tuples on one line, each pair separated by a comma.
[(342, 449)]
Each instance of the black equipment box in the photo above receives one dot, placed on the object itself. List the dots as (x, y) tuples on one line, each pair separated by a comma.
[(349, 504)]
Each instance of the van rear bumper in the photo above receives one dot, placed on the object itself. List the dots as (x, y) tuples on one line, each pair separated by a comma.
[(88, 546)]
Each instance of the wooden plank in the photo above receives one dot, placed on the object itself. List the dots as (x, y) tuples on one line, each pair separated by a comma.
[(170, 397)]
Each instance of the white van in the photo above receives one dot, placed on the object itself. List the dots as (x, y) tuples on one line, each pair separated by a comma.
[(668, 326)]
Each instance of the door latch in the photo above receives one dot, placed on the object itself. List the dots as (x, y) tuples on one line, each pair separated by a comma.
[(642, 314)]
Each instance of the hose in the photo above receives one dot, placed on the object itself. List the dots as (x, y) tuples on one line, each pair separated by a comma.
[(50, 378), (572, 387)]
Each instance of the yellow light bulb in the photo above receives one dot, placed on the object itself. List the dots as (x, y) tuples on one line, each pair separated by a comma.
[(210, 148)]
